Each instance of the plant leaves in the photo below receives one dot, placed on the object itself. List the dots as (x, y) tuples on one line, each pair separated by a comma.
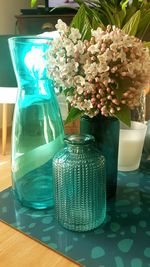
[(86, 30), (124, 115), (78, 19), (33, 2), (74, 114), (95, 24), (96, 18), (131, 26), (143, 25), (123, 4), (68, 89), (123, 85), (121, 15), (109, 15), (122, 11), (81, 22)]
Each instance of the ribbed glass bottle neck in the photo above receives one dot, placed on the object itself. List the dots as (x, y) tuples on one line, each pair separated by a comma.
[(79, 149), (78, 143)]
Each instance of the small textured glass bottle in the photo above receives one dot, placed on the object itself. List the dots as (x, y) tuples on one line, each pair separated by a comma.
[(37, 125), (79, 184)]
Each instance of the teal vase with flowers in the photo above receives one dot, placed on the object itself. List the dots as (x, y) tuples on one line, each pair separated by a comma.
[(102, 73)]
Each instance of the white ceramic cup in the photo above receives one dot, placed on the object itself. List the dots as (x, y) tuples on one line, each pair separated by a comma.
[(131, 141)]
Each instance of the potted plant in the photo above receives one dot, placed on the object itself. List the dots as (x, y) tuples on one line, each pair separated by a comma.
[(102, 66)]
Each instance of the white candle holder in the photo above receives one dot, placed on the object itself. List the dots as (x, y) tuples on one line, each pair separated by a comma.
[(131, 142)]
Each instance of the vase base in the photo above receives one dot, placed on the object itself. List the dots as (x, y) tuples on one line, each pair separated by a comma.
[(128, 169), (82, 227), (45, 204)]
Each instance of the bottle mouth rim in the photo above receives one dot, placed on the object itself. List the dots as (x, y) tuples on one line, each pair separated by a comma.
[(79, 139)]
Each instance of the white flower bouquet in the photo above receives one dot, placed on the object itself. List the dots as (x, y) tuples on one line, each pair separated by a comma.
[(103, 74)]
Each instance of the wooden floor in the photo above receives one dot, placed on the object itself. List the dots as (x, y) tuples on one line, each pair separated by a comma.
[(17, 249), (5, 170)]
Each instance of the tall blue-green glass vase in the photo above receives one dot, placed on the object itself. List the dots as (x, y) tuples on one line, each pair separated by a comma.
[(37, 124)]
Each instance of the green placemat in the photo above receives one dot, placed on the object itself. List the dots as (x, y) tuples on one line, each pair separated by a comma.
[(122, 241)]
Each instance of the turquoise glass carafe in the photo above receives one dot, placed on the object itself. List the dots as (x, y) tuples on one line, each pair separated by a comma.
[(37, 124)]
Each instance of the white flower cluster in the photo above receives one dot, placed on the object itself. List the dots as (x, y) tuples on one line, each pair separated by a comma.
[(100, 75)]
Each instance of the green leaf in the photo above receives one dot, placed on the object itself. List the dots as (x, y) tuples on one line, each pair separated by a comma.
[(86, 30), (123, 5), (74, 114), (109, 15), (78, 19), (81, 22), (96, 19), (70, 90), (130, 11), (95, 23), (143, 25), (131, 26), (121, 15), (117, 20), (122, 87), (124, 115), (122, 12), (33, 2)]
